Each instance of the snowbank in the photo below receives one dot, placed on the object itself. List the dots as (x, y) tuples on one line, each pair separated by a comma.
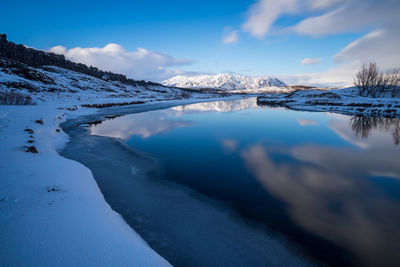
[(51, 211), (343, 101)]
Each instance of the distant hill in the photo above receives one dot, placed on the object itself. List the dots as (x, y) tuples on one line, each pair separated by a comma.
[(37, 58), (224, 81)]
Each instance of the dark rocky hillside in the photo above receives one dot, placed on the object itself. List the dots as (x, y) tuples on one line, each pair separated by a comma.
[(37, 58)]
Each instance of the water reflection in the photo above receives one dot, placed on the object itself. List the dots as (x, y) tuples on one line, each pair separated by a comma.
[(330, 202), (363, 126), (331, 191), (337, 176), (221, 106), (144, 125), (155, 122)]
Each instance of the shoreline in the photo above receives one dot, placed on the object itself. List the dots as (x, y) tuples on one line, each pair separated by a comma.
[(53, 212), (341, 101), (54, 189), (156, 208)]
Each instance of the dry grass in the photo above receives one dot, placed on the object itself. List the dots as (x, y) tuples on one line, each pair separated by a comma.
[(13, 98), (107, 105)]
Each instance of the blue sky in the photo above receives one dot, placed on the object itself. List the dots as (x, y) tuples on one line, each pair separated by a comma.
[(194, 31)]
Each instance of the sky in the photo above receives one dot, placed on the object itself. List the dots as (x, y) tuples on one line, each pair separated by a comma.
[(298, 41)]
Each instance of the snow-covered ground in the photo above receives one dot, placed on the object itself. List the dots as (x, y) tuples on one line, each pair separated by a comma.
[(52, 212), (58, 85), (344, 101)]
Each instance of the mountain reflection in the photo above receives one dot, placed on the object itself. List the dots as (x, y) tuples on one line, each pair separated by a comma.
[(221, 106), (151, 123), (363, 126)]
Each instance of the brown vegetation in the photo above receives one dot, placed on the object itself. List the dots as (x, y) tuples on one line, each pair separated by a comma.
[(14, 98), (31, 149), (106, 105)]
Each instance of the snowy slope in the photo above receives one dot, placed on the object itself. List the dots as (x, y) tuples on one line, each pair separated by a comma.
[(59, 85), (224, 81)]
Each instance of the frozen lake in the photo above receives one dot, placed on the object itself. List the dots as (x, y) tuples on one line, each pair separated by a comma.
[(260, 186)]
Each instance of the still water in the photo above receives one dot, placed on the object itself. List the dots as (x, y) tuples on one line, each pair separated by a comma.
[(329, 183)]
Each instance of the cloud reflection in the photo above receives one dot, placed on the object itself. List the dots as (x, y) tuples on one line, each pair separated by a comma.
[(329, 193), (154, 122), (143, 124), (229, 146), (306, 122)]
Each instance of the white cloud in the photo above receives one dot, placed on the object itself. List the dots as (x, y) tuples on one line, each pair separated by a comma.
[(342, 75), (379, 18), (58, 50), (141, 64), (322, 17), (231, 37), (309, 61), (351, 16), (263, 14), (380, 46)]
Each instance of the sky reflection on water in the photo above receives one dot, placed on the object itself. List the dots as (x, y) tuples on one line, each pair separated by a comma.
[(329, 182)]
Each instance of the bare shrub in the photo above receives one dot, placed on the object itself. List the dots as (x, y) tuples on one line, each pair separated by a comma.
[(13, 98), (183, 94)]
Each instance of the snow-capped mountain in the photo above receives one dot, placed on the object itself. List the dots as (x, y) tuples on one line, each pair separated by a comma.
[(224, 81)]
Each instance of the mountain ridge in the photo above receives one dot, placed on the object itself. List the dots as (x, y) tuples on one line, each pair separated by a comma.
[(224, 81)]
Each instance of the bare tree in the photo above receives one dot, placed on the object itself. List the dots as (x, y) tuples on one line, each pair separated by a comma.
[(372, 82), (388, 81), (393, 81), (366, 78)]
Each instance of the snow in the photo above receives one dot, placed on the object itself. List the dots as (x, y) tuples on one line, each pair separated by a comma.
[(226, 81), (343, 101), (69, 88), (52, 212)]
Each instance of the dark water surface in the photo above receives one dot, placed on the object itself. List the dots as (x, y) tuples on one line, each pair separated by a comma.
[(329, 183)]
